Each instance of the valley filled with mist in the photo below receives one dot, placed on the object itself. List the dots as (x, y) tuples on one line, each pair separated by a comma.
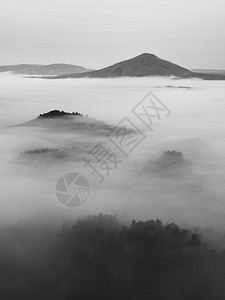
[(139, 187), (175, 174)]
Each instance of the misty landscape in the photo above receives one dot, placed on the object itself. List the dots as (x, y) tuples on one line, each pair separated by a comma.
[(195, 128), (112, 164)]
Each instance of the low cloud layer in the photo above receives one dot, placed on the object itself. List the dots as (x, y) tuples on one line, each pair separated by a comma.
[(142, 187)]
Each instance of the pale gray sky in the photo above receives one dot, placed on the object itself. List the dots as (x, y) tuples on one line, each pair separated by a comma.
[(97, 33)]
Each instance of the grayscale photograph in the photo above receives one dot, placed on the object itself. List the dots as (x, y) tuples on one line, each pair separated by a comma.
[(112, 157)]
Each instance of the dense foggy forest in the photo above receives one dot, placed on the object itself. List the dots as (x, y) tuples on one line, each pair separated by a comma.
[(100, 258)]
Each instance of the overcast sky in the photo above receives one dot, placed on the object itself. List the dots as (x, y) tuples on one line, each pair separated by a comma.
[(97, 33)]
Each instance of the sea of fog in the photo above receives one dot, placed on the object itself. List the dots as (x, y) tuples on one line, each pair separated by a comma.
[(139, 188)]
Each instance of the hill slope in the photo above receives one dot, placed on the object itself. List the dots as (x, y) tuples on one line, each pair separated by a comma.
[(76, 122), (145, 64), (142, 65)]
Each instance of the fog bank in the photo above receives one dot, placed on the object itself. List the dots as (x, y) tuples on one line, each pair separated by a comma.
[(141, 187)]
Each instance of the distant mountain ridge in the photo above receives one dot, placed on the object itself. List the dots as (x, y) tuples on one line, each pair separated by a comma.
[(146, 64), (209, 71), (52, 69), (142, 65)]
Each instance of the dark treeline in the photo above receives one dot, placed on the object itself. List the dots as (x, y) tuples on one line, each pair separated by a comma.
[(57, 114), (98, 258)]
